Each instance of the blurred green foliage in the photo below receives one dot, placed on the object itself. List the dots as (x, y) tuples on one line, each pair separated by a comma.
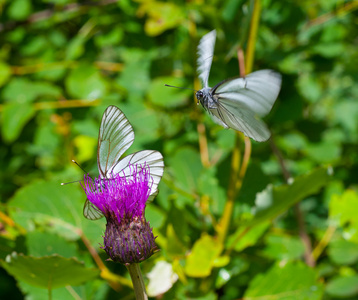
[(62, 62)]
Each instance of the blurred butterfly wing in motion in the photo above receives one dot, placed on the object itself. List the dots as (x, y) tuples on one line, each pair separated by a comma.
[(241, 100), (90, 212), (258, 91), (205, 56), (240, 119), (151, 158), (116, 135)]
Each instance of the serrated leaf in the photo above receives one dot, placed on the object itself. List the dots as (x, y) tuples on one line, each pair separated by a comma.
[(275, 200), (49, 272), (290, 282)]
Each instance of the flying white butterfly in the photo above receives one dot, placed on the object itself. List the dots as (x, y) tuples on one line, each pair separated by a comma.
[(237, 102), (115, 136)]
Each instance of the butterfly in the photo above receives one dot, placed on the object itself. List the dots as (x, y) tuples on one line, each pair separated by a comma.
[(236, 103), (115, 136)]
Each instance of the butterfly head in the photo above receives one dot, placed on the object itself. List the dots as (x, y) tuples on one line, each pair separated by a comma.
[(200, 96), (203, 96)]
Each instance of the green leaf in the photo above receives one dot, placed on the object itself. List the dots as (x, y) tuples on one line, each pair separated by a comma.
[(48, 272), (200, 261), (275, 200), (248, 239), (324, 152), (85, 82), (162, 16), (174, 246), (283, 247), (5, 73), (154, 215), (343, 287), (54, 245), (58, 209), (14, 117), (343, 252), (135, 76), (290, 282), (21, 90), (186, 167), (19, 9), (208, 185), (7, 246), (113, 37), (75, 47), (310, 87), (343, 208), (168, 97), (144, 122)]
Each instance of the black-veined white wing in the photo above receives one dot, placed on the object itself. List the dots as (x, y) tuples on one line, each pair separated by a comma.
[(150, 158), (205, 56), (116, 135), (241, 119), (257, 92), (91, 212)]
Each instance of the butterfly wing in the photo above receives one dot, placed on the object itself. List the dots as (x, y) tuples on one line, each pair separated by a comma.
[(257, 92), (90, 212), (151, 158), (240, 119), (205, 56), (116, 135)]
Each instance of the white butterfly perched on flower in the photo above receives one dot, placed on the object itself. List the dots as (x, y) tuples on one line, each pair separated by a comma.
[(115, 136), (237, 102)]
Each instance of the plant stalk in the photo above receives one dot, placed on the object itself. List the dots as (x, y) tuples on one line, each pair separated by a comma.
[(138, 283), (237, 172)]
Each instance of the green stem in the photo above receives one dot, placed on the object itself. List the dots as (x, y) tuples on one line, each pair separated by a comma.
[(138, 283), (237, 173), (254, 26)]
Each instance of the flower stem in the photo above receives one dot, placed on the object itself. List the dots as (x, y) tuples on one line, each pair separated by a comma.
[(138, 283)]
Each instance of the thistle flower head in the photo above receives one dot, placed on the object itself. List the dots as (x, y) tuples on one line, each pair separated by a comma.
[(122, 198)]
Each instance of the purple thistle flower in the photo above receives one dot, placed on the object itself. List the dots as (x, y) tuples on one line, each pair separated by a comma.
[(122, 200)]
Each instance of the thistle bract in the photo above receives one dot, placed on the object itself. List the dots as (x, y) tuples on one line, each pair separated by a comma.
[(122, 198)]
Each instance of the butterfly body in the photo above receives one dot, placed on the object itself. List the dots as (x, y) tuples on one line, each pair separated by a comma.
[(237, 103), (206, 99)]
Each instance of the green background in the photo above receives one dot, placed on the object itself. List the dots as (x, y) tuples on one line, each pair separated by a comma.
[(63, 62)]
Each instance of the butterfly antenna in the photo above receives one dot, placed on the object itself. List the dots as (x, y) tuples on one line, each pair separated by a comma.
[(75, 162), (64, 183), (178, 87)]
